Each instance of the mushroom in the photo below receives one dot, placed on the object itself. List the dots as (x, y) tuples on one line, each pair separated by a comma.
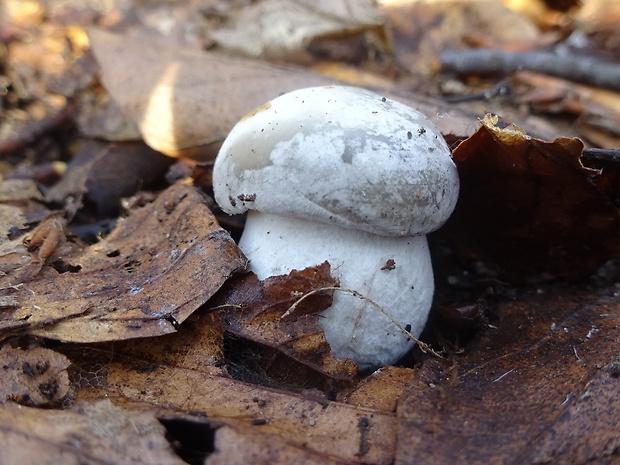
[(344, 175)]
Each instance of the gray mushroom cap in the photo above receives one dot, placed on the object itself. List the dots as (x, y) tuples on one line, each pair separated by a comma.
[(340, 155)]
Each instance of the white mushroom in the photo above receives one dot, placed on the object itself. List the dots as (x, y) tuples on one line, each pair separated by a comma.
[(345, 175)]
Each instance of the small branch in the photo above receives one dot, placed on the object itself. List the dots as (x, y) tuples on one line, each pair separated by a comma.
[(602, 155), (573, 68)]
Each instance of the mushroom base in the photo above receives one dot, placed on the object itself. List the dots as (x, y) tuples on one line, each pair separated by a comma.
[(394, 272)]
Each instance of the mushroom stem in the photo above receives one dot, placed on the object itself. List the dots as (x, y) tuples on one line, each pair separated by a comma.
[(395, 272)]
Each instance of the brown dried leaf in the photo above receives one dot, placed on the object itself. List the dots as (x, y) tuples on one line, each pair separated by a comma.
[(105, 173), (253, 310), (183, 99), (157, 267), (94, 433), (436, 26), (597, 111), (13, 254), (543, 386), (250, 445), (34, 377), (282, 30), (46, 240), (530, 206), (14, 190), (382, 389), (198, 345), (314, 427)]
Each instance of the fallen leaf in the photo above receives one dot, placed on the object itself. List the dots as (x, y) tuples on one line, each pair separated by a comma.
[(44, 241), (422, 29), (153, 271), (183, 100), (36, 377), (92, 433), (13, 254), (250, 445), (15, 190), (11, 220), (283, 29), (318, 427), (382, 389), (542, 386), (253, 310), (198, 345), (102, 173), (528, 206), (597, 111)]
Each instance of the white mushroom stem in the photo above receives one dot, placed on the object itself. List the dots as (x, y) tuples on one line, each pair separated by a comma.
[(394, 272)]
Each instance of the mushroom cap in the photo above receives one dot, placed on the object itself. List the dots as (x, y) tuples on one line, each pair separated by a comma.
[(340, 155)]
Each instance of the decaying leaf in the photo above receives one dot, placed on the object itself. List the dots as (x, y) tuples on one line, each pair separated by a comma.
[(183, 99), (157, 267), (251, 445), (18, 201), (283, 29), (382, 389), (15, 190), (424, 28), (46, 241), (11, 220), (106, 172), (253, 310), (530, 206), (197, 345), (35, 377), (93, 433), (311, 425), (542, 386)]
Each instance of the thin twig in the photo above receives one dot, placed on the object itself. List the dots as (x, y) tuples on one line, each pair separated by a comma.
[(603, 155), (573, 68), (422, 345)]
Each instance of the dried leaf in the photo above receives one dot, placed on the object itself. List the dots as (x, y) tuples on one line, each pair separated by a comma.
[(105, 173), (320, 428), (14, 190), (183, 99), (34, 377), (95, 433), (44, 241), (382, 389), (597, 110), (543, 386), (283, 29), (250, 445), (435, 26), (530, 206), (253, 310), (198, 345), (144, 279)]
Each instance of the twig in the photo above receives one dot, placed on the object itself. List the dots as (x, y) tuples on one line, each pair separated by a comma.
[(573, 68), (603, 155), (502, 376), (422, 345)]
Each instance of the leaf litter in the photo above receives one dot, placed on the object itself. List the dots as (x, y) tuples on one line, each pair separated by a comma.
[(548, 212), (530, 386), (156, 268), (534, 362)]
